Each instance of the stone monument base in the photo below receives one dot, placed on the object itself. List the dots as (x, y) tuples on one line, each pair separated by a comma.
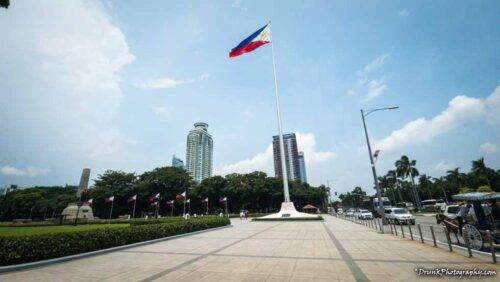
[(288, 212)]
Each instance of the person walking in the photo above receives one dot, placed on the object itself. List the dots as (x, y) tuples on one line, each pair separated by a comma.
[(461, 215)]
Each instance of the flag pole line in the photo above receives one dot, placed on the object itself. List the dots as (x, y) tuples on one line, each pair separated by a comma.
[(278, 114)]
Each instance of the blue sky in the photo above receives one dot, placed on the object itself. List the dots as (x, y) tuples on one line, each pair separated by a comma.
[(118, 85)]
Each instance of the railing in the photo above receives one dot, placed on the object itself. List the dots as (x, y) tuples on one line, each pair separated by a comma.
[(375, 224)]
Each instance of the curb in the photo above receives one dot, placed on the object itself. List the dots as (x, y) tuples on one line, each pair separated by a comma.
[(28, 265)]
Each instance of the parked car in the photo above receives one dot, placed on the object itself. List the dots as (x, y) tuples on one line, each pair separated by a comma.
[(349, 212), (450, 212), (429, 205), (406, 205), (440, 205), (364, 214), (340, 211), (399, 216)]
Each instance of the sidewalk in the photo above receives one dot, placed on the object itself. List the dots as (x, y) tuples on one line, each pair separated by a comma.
[(333, 250)]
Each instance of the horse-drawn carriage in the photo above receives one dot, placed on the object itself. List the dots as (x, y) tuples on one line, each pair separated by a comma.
[(474, 229)]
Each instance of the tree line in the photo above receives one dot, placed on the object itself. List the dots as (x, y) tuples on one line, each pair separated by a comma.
[(255, 192), (404, 183)]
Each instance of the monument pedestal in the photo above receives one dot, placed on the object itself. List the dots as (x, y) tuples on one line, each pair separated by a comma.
[(288, 212)]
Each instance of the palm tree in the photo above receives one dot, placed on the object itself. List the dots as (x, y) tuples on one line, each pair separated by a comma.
[(406, 168), (425, 183), (480, 170), (439, 182), (454, 175), (393, 177), (386, 184)]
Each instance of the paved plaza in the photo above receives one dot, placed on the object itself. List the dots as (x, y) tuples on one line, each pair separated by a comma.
[(333, 250)]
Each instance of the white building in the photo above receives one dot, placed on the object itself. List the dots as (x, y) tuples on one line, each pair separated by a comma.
[(199, 152)]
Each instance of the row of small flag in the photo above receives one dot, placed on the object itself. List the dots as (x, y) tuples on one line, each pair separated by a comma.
[(153, 200)]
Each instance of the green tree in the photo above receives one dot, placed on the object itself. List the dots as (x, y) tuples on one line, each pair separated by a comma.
[(406, 168)]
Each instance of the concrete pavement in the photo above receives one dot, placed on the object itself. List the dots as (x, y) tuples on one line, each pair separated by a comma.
[(333, 250)]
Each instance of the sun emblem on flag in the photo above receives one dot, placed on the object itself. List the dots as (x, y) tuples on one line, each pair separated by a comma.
[(264, 36)]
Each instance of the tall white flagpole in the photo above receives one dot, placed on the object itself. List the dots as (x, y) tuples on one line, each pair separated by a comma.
[(282, 145)]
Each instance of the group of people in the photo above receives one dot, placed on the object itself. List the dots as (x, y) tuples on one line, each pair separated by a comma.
[(244, 215), (479, 213)]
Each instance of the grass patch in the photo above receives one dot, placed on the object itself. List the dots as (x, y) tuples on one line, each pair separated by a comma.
[(34, 230), (42, 246)]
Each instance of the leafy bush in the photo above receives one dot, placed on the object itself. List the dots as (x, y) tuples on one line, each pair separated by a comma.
[(28, 248), (484, 188)]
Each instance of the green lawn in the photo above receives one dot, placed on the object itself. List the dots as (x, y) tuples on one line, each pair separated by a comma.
[(19, 231)]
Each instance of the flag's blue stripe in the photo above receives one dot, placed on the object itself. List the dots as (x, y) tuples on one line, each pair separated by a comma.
[(250, 38)]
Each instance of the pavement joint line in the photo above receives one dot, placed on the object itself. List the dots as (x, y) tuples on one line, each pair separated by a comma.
[(188, 262), (303, 258), (47, 262), (356, 271)]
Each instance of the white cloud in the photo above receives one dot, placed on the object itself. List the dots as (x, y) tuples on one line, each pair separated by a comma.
[(248, 113), (307, 144), (168, 82), (351, 92), (30, 171), (443, 166), (375, 88), (204, 76), (237, 4), (461, 109), (261, 161), (489, 147), (403, 13), (376, 63), (159, 110), (264, 161), (61, 63)]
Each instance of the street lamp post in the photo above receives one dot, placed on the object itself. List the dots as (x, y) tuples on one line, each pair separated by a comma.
[(374, 171)]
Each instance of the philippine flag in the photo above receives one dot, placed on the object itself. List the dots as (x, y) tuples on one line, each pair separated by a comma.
[(254, 41), (181, 197)]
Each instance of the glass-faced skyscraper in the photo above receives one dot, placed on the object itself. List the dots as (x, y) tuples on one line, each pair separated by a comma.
[(302, 168), (291, 156), (199, 152)]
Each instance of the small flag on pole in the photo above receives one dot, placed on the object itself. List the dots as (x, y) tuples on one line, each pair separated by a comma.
[(223, 199), (188, 201), (181, 197), (171, 202), (110, 199), (254, 41), (205, 200), (132, 199), (154, 198), (89, 202)]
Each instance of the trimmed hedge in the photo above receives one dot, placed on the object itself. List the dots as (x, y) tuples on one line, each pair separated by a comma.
[(162, 220), (22, 249)]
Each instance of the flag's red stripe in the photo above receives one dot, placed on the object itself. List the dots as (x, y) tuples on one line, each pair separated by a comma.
[(247, 48)]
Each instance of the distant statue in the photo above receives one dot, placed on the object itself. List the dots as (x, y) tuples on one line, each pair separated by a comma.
[(84, 182)]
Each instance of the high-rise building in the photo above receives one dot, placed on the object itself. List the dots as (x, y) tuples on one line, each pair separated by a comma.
[(176, 162), (302, 168), (199, 152), (291, 156)]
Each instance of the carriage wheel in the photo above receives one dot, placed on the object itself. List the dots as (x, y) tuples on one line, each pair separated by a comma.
[(474, 236)]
